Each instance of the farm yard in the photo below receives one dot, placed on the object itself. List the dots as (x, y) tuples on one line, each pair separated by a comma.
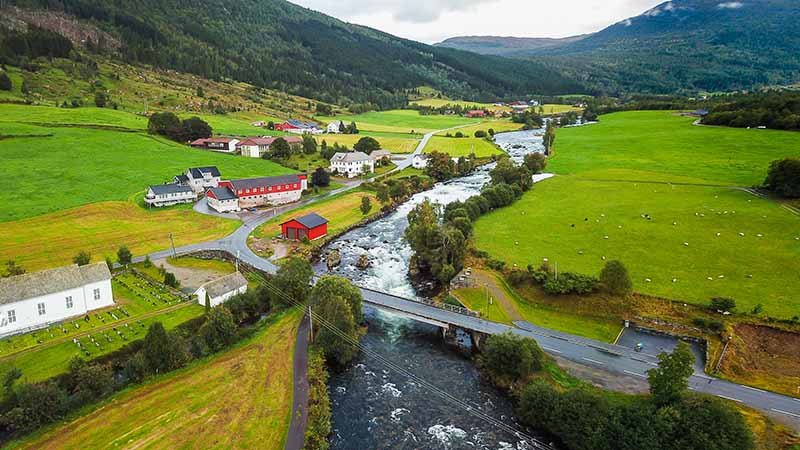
[(45, 353), (238, 399), (658, 197)]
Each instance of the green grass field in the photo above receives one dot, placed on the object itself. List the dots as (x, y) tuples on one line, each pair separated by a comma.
[(401, 121), (612, 173), (241, 398), (45, 353), (76, 166), (439, 102), (394, 142), (457, 147)]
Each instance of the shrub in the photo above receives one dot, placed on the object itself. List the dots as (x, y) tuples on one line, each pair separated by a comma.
[(496, 264), (570, 283), (124, 256), (219, 329), (170, 280), (723, 304), (783, 177), (509, 358), (5, 82), (480, 134), (615, 279), (518, 277)]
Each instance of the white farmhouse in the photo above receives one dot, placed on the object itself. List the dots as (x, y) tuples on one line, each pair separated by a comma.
[(35, 300), (256, 147), (200, 178), (419, 161), (222, 199), (169, 194), (217, 144), (335, 127), (351, 164), (221, 289)]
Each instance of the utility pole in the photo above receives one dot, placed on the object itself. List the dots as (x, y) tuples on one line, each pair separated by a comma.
[(172, 241), (237, 260), (310, 325)]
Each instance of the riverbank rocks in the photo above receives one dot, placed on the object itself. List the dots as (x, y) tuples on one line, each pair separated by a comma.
[(333, 259), (363, 262)]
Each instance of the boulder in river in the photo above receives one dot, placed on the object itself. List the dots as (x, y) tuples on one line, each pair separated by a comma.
[(363, 261), (333, 259)]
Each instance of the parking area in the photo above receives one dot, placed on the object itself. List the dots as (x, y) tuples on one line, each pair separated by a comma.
[(654, 344)]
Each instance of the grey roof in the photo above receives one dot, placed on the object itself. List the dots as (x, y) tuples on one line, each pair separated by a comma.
[(197, 172), (311, 220), (350, 157), (223, 193), (171, 188), (182, 179), (223, 285), (250, 183), (37, 284), (378, 154)]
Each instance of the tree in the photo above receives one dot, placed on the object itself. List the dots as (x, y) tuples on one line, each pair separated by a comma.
[(5, 82), (440, 166), (309, 144), (670, 380), (366, 205), (324, 109), (549, 137), (170, 280), (367, 145), (280, 148), (535, 162), (219, 329), (37, 404), (109, 263), (783, 177), (509, 173), (100, 99), (338, 351), (537, 404), (615, 279), (292, 279), (702, 421), (163, 123), (509, 358), (200, 92), (194, 128), (439, 249), (352, 128), (82, 258), (480, 134), (332, 286), (724, 304), (581, 418), (90, 381), (320, 177), (13, 269), (124, 256), (163, 351)]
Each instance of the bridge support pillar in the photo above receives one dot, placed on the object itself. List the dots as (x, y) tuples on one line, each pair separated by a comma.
[(477, 339)]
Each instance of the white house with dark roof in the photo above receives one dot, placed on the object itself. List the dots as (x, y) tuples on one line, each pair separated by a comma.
[(221, 289), (222, 199), (352, 164), (200, 178), (169, 194), (35, 300), (335, 127), (419, 161)]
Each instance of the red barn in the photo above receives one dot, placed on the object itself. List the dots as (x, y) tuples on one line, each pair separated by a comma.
[(313, 226), (476, 113)]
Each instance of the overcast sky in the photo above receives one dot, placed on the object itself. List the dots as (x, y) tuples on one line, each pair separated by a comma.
[(435, 20)]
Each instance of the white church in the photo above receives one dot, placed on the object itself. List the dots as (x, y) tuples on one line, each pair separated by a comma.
[(35, 300)]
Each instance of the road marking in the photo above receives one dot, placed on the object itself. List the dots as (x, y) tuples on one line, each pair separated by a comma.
[(594, 361), (706, 377), (729, 398), (753, 389), (635, 374), (551, 350), (785, 412)]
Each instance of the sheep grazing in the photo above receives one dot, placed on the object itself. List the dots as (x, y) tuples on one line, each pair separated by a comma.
[(721, 276), (760, 235), (741, 234), (750, 275), (685, 244), (605, 237), (674, 223), (580, 252), (709, 279), (647, 280), (674, 280), (719, 234), (603, 258)]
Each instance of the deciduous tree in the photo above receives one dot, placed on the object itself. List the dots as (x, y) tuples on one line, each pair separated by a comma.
[(669, 381), (615, 279)]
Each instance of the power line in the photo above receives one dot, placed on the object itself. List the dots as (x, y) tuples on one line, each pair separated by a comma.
[(469, 408)]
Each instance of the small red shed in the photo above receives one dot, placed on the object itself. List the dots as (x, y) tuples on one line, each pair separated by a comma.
[(313, 226)]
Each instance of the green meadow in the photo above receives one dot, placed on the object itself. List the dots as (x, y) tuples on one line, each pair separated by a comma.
[(457, 147), (401, 121), (664, 197)]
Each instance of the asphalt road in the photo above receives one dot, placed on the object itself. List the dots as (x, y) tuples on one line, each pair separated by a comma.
[(295, 438), (614, 358)]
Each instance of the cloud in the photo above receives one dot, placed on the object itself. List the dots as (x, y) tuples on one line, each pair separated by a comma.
[(730, 5), (404, 11)]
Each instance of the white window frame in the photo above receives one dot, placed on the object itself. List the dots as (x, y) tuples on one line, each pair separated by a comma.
[(69, 302), (41, 309), (12, 316), (97, 293)]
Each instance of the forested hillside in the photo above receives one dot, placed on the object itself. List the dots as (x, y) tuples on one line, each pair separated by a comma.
[(678, 46), (276, 44)]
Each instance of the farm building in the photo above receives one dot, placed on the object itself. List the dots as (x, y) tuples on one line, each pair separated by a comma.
[(169, 194), (419, 161), (298, 127), (378, 155), (476, 113), (200, 178), (35, 300), (218, 144), (222, 199), (351, 164), (221, 289), (335, 127), (264, 191), (311, 226), (256, 147)]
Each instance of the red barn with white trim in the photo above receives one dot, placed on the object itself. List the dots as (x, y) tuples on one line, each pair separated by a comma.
[(311, 226)]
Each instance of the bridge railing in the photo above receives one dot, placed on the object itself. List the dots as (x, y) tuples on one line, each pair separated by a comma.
[(433, 303)]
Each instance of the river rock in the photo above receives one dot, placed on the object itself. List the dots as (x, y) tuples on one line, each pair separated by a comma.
[(363, 261), (333, 259)]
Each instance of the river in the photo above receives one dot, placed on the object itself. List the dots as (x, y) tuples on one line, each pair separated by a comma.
[(375, 408)]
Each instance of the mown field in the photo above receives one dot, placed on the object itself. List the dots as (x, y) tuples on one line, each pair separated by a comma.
[(238, 399), (394, 142), (618, 196), (401, 121), (457, 147), (439, 102), (53, 239)]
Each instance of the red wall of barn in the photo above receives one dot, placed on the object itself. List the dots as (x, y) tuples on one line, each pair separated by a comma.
[(313, 233), (318, 232)]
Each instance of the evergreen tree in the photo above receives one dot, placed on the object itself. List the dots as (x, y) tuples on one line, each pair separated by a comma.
[(309, 144), (5, 82), (82, 258), (280, 148), (366, 205), (124, 256), (100, 99), (162, 350)]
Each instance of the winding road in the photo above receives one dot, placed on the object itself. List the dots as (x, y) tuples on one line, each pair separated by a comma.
[(613, 358)]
